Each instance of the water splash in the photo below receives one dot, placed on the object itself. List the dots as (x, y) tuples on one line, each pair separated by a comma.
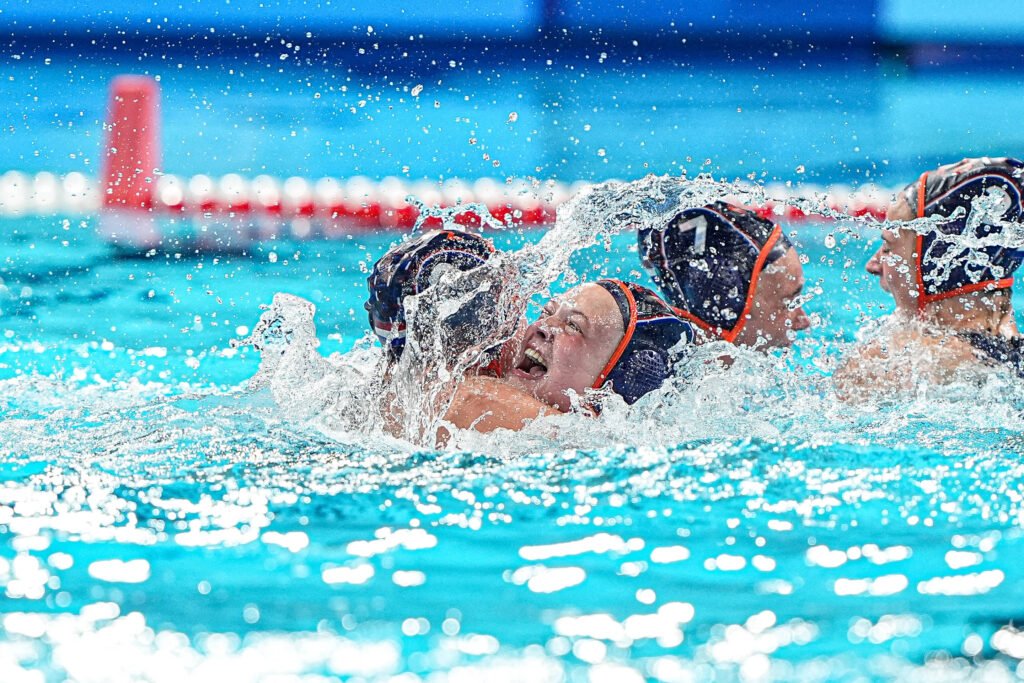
[(415, 392)]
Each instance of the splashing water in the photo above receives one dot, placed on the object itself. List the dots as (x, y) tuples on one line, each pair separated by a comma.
[(740, 524), (418, 389)]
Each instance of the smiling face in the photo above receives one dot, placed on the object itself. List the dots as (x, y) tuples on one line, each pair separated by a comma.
[(568, 346), (895, 262), (775, 312)]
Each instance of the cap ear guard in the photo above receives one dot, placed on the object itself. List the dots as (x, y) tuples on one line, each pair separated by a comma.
[(647, 354), (646, 372)]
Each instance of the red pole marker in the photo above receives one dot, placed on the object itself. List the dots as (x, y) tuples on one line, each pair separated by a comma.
[(131, 155)]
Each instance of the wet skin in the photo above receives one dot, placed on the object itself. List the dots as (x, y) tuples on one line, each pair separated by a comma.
[(773, 317), (895, 262), (569, 345)]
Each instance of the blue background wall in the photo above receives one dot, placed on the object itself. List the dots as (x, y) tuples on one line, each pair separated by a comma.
[(858, 21), (390, 19), (955, 21), (724, 18), (852, 21)]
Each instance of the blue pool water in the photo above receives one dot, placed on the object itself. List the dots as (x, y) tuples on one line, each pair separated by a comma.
[(160, 521)]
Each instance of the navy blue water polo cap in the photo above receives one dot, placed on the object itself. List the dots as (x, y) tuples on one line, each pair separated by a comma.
[(992, 190), (648, 351), (410, 268), (707, 261)]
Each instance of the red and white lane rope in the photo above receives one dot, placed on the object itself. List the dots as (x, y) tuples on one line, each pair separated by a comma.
[(360, 203), (129, 185)]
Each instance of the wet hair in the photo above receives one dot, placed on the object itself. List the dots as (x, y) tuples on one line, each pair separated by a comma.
[(411, 268), (707, 261), (945, 269), (650, 346)]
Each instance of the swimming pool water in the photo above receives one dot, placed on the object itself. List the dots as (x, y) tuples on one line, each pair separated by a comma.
[(168, 524), (159, 521)]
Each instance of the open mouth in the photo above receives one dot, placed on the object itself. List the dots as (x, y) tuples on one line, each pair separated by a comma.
[(532, 364)]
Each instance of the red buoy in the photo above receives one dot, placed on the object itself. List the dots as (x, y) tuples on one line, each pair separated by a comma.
[(132, 151)]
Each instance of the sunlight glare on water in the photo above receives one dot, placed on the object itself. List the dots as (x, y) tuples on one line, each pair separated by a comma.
[(196, 478), (741, 521)]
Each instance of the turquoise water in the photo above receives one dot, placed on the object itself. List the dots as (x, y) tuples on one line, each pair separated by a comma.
[(264, 544), (159, 521)]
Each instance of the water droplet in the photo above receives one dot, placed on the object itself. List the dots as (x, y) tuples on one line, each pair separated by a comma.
[(830, 241), (800, 168), (416, 90), (512, 117)]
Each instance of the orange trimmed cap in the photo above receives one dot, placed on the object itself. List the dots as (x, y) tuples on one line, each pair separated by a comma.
[(410, 268), (707, 261), (654, 340), (981, 197)]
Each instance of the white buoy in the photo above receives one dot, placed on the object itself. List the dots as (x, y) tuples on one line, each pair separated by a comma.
[(266, 192), (427, 192), (202, 191), (488, 192), (456, 191), (170, 191), (233, 192), (78, 194), (46, 192), (297, 195), (360, 190), (15, 190), (328, 193)]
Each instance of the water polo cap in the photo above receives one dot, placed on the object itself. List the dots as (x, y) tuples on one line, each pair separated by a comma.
[(707, 262), (412, 267), (650, 346), (946, 269)]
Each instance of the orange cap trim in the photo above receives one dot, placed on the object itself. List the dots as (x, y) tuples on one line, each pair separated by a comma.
[(1005, 283), (923, 298), (922, 186), (769, 244), (690, 317), (626, 337)]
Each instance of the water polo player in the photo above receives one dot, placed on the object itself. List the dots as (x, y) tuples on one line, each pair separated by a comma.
[(951, 284), (611, 335), (733, 274), (413, 267)]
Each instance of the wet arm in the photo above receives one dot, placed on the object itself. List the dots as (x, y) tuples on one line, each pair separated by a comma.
[(485, 404)]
